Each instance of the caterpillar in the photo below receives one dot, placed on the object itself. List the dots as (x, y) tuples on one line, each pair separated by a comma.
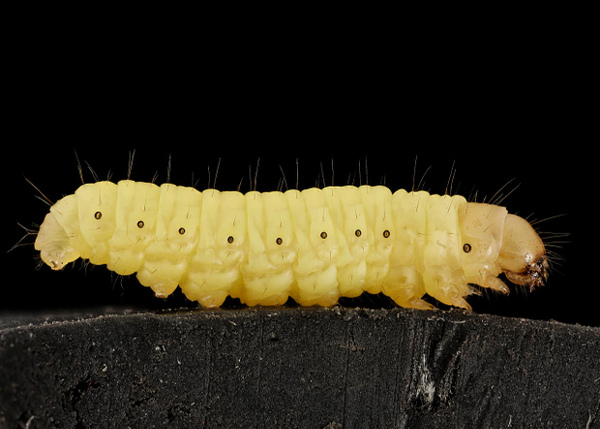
[(314, 245)]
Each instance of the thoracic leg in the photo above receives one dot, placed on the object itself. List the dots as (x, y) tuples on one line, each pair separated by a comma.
[(405, 286), (490, 281), (443, 286)]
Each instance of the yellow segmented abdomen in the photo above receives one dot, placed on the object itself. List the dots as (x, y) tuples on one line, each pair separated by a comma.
[(314, 245)]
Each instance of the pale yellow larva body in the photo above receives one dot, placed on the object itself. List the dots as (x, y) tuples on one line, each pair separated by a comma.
[(314, 245)]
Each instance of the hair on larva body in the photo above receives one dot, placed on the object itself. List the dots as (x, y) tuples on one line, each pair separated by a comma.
[(315, 245)]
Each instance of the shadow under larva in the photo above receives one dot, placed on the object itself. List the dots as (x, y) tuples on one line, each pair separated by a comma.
[(314, 245)]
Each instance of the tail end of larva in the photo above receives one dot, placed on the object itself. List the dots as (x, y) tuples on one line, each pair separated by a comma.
[(54, 245)]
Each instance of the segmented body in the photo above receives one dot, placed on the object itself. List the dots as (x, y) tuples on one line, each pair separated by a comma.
[(314, 245)]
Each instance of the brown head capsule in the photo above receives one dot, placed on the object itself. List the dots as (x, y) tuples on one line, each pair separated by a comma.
[(522, 255)]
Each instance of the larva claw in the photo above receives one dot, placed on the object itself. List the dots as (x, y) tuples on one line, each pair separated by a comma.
[(473, 290), (491, 282), (458, 302)]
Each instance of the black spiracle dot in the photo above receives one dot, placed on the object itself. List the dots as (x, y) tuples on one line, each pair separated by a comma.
[(467, 248), (98, 215), (182, 230), (140, 224), (386, 233), (279, 241), (358, 232), (230, 239), (323, 235)]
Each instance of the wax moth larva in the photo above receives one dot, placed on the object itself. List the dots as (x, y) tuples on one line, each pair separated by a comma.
[(314, 245)]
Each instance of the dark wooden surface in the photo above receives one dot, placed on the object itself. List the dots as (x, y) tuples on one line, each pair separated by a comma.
[(296, 367)]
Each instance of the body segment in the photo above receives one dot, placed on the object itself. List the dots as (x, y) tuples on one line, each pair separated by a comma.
[(314, 245)]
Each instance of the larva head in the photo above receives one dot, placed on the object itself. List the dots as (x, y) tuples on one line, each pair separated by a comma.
[(54, 245), (523, 255), (495, 242)]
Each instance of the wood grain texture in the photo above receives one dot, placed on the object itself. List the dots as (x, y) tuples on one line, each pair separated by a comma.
[(297, 367)]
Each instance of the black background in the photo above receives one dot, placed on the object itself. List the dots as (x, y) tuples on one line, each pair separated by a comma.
[(495, 108)]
